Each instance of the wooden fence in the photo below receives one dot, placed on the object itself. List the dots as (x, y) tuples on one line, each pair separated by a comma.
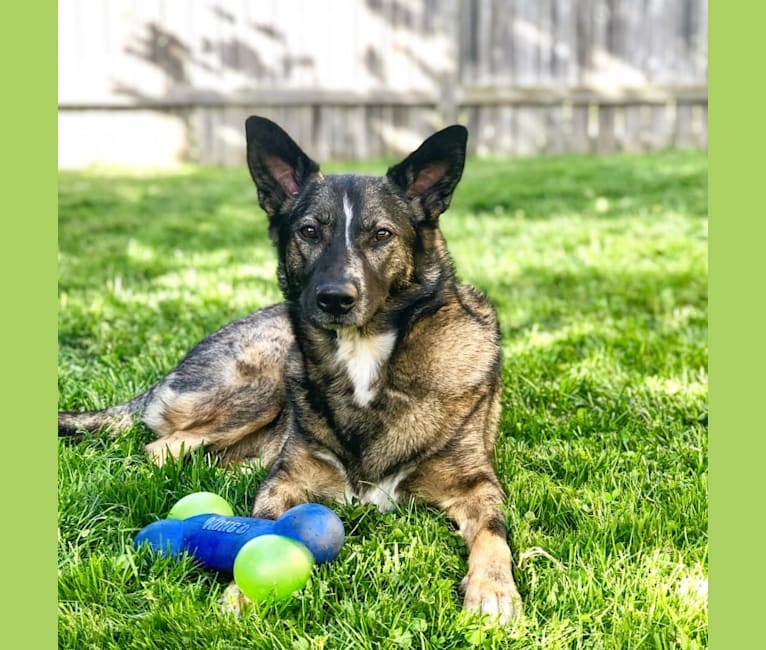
[(162, 81)]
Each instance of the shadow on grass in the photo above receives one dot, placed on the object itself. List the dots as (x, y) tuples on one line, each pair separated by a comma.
[(143, 228), (548, 297), (207, 209), (606, 186)]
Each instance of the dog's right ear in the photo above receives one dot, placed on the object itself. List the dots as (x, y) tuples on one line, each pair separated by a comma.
[(278, 166)]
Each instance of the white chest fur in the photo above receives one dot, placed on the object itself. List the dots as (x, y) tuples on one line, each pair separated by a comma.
[(383, 494), (362, 357)]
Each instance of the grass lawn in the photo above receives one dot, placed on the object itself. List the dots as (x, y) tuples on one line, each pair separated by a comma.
[(598, 269)]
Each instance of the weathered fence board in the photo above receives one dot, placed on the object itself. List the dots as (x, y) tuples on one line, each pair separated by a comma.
[(166, 81)]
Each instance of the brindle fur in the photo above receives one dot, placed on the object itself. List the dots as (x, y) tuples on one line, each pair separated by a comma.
[(396, 397)]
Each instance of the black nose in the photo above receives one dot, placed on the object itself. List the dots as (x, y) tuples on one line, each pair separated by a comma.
[(336, 298)]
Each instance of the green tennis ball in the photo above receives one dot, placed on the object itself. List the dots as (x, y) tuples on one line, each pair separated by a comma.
[(200, 503), (272, 567)]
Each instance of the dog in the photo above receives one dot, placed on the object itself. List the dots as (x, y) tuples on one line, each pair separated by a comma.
[(378, 378)]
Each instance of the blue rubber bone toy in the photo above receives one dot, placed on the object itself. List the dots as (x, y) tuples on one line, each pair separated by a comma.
[(215, 540)]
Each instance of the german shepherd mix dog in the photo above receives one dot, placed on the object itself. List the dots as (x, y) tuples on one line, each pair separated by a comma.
[(379, 376)]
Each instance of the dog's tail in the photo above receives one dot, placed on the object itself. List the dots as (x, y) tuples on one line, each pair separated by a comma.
[(115, 419)]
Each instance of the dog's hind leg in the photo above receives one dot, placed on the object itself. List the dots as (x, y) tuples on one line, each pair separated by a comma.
[(175, 445), (229, 388), (227, 391), (219, 420)]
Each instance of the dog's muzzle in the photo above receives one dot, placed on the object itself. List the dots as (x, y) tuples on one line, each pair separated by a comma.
[(337, 298)]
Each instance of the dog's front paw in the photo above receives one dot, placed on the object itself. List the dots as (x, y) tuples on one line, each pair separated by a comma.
[(491, 591), (233, 601)]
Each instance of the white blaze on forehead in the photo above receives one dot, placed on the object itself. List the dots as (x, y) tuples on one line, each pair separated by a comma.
[(362, 357), (349, 212)]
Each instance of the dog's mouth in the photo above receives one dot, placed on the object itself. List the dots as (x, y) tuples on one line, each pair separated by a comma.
[(357, 318), (336, 322)]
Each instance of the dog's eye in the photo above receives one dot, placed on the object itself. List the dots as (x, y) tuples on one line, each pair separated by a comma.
[(382, 234), (309, 233)]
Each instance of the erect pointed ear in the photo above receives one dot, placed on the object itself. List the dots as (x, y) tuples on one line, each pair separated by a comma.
[(278, 166), (431, 172)]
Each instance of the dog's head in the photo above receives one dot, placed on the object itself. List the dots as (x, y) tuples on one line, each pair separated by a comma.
[(348, 244)]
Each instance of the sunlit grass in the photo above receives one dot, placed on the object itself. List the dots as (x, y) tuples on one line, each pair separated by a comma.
[(598, 269)]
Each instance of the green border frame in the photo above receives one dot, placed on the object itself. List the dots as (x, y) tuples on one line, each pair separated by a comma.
[(737, 359), (28, 261), (28, 358)]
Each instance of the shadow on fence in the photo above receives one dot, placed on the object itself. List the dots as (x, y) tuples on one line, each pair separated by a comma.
[(525, 77)]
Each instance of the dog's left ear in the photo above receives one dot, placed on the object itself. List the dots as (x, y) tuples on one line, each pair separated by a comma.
[(278, 166), (431, 172)]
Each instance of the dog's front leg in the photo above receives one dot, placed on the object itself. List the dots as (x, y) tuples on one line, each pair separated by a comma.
[(489, 586), (299, 473), (297, 476), (473, 500)]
